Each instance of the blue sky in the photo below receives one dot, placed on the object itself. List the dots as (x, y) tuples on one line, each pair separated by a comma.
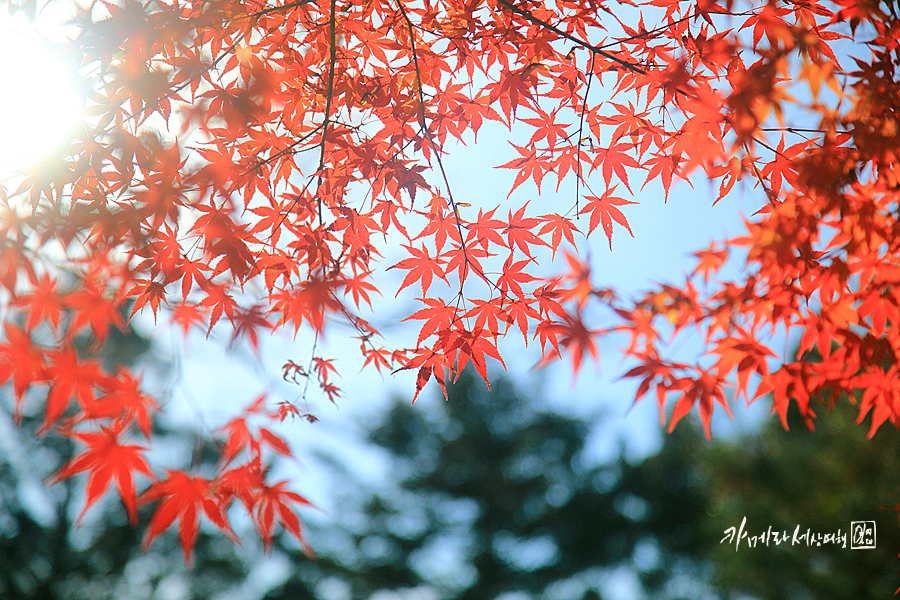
[(216, 381)]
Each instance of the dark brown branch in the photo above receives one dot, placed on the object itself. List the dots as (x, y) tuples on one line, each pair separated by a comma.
[(434, 147), (328, 97), (595, 49), (578, 175), (770, 194), (282, 7)]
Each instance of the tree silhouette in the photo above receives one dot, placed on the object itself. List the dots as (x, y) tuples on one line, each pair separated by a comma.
[(494, 496)]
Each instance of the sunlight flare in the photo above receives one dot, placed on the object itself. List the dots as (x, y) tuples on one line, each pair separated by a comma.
[(39, 106)]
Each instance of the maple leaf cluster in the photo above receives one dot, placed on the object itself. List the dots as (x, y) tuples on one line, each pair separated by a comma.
[(247, 163)]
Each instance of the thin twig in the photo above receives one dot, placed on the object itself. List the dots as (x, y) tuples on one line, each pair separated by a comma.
[(328, 95), (282, 7), (769, 194), (595, 49), (434, 147), (578, 141), (283, 151)]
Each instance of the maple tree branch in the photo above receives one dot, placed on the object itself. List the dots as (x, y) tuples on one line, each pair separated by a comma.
[(462, 238), (656, 30), (434, 147), (767, 146), (769, 194), (309, 369), (282, 7), (595, 49), (328, 97), (300, 195), (578, 175), (797, 130), (284, 151), (644, 34)]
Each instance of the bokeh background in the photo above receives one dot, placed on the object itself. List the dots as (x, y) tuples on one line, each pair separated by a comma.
[(491, 495)]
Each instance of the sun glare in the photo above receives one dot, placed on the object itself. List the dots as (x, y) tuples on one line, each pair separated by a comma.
[(39, 106)]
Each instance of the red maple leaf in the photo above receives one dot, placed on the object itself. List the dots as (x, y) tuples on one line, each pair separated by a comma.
[(274, 500), (70, 378), (21, 360), (615, 159), (520, 231), (106, 458), (421, 268), (148, 292), (603, 211), (183, 497)]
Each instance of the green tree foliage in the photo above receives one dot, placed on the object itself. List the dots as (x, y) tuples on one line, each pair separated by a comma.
[(820, 480), (496, 497), (493, 496)]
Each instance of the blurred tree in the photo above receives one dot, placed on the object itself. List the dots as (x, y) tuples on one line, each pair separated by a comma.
[(493, 499), (818, 480), (45, 555), (496, 500)]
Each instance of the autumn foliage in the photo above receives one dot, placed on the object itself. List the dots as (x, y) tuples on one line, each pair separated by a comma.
[(247, 164)]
